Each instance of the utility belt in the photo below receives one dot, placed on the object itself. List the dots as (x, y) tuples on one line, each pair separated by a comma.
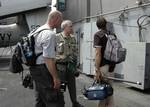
[(65, 66), (61, 62)]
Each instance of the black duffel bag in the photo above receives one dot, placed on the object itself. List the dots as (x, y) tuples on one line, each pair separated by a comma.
[(98, 91)]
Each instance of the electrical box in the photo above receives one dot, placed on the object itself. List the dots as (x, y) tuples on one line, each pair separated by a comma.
[(61, 5), (137, 64)]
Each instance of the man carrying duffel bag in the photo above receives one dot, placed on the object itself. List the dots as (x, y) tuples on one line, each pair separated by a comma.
[(103, 67), (98, 91)]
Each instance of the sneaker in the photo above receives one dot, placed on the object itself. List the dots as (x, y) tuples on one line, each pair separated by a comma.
[(77, 105)]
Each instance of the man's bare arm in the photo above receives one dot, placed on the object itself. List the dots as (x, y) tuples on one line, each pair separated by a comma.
[(50, 63), (98, 57)]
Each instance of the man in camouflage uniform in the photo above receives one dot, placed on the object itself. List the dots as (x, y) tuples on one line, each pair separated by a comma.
[(67, 54)]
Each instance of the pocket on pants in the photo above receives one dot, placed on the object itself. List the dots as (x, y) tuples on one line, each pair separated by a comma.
[(51, 95)]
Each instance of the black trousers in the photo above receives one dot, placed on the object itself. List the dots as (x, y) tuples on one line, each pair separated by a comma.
[(68, 76), (45, 95)]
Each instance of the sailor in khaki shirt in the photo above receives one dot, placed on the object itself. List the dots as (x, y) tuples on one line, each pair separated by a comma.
[(66, 45), (67, 50)]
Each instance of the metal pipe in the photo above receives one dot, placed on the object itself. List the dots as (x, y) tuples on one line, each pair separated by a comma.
[(125, 9), (101, 8), (88, 7), (122, 80)]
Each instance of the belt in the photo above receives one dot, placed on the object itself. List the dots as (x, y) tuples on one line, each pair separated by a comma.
[(40, 65), (62, 63)]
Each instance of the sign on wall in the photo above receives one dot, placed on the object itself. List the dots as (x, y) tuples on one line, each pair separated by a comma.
[(61, 5)]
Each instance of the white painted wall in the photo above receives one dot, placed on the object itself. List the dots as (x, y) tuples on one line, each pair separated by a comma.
[(126, 31), (134, 66)]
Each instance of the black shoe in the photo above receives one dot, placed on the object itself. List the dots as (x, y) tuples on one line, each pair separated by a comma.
[(77, 105)]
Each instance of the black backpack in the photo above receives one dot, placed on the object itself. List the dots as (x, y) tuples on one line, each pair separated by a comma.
[(16, 62), (24, 53)]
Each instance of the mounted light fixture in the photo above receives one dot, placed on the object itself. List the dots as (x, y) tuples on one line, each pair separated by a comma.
[(61, 5), (123, 15), (139, 2)]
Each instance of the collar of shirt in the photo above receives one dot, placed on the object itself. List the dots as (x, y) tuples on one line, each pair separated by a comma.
[(64, 36), (104, 31)]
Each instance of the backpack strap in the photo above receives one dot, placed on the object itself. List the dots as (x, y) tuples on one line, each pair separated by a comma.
[(109, 33), (34, 32), (33, 42), (38, 55)]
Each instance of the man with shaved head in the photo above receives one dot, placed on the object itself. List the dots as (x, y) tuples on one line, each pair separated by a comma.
[(47, 82)]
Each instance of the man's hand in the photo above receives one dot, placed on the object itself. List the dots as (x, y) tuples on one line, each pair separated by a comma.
[(50, 63), (56, 83), (98, 76)]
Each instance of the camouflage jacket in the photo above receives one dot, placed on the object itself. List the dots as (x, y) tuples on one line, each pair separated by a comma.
[(65, 45)]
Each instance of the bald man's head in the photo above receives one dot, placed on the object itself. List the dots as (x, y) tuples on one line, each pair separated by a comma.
[(54, 19)]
